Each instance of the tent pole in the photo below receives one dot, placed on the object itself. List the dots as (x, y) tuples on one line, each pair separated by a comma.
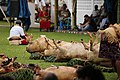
[(4, 14)]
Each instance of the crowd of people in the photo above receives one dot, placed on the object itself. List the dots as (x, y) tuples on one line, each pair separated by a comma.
[(43, 14), (64, 17), (97, 20)]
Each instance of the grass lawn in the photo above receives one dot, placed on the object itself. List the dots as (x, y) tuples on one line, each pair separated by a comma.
[(20, 52), (4, 23), (23, 56)]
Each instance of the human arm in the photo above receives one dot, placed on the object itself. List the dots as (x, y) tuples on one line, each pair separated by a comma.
[(95, 14), (84, 24), (22, 34)]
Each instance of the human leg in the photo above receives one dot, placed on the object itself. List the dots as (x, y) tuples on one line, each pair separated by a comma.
[(27, 24), (61, 25), (86, 28), (117, 63)]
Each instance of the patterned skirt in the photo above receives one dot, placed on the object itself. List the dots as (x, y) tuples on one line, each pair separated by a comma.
[(109, 50)]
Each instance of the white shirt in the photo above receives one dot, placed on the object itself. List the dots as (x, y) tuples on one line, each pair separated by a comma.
[(95, 12), (40, 3), (16, 31)]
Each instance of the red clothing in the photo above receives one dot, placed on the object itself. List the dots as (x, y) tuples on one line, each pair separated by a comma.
[(24, 42), (44, 21)]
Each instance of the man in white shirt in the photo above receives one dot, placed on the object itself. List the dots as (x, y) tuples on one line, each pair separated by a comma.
[(17, 33), (17, 30)]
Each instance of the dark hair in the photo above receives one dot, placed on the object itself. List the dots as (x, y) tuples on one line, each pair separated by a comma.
[(96, 7), (86, 15), (50, 76), (18, 22), (90, 72), (65, 5)]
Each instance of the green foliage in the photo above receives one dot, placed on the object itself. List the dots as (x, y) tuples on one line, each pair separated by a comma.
[(4, 23), (21, 74), (50, 58), (35, 56), (77, 61)]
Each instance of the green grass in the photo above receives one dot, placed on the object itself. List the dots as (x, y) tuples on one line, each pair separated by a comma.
[(23, 56), (4, 23), (20, 52)]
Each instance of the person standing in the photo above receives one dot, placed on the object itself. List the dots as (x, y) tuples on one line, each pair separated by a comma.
[(24, 14), (44, 19), (110, 46)]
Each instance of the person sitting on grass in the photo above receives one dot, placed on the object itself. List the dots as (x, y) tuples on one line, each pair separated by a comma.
[(17, 33)]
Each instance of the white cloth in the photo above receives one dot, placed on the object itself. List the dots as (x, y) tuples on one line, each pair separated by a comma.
[(16, 31), (40, 3), (95, 12)]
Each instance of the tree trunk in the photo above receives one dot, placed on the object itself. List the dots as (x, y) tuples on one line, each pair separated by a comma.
[(74, 5), (118, 12), (56, 14)]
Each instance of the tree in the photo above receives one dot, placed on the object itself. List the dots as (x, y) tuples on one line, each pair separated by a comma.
[(118, 12), (56, 14), (74, 12)]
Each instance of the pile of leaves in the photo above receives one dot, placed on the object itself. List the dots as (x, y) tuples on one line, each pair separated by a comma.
[(21, 74), (77, 61)]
